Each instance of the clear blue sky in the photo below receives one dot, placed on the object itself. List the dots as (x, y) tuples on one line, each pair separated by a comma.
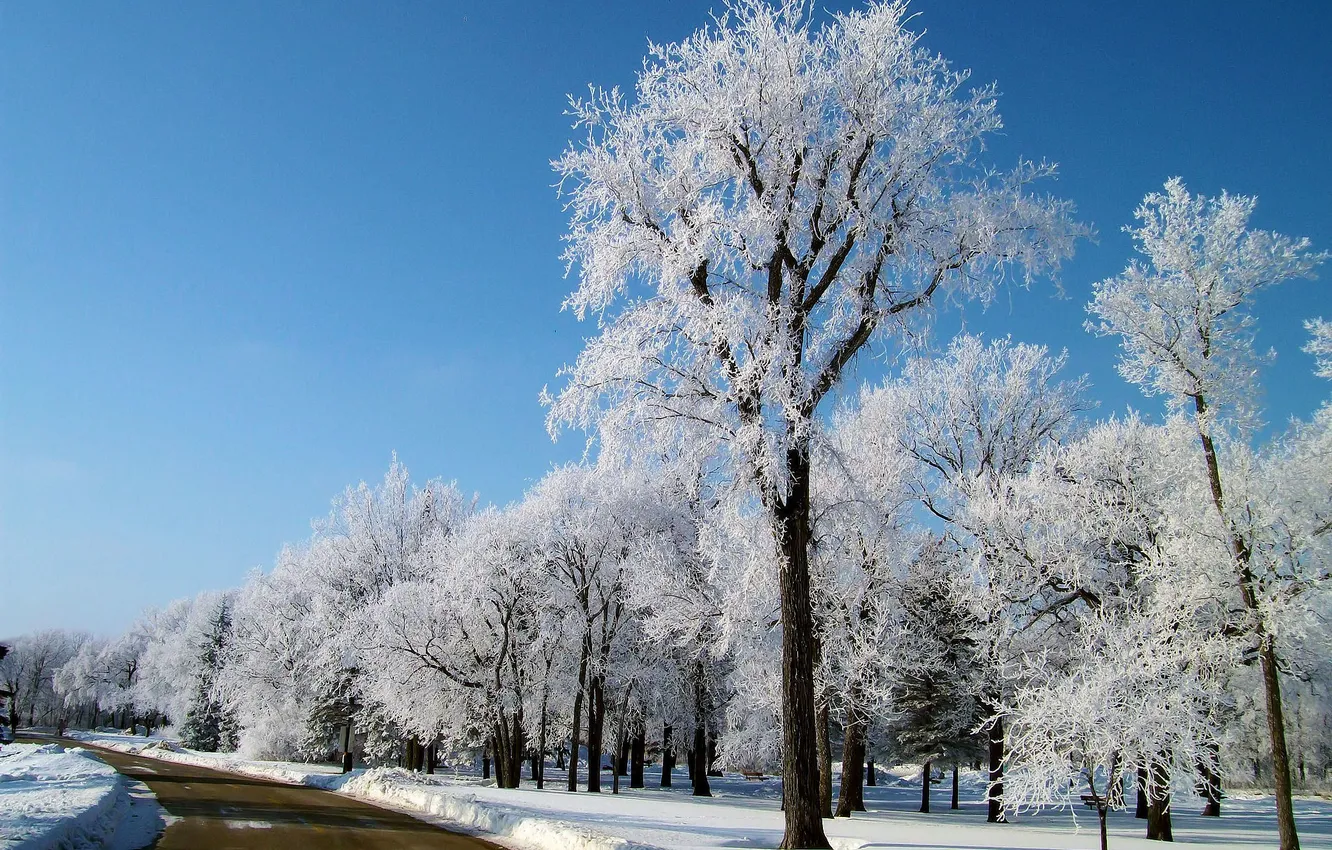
[(248, 249)]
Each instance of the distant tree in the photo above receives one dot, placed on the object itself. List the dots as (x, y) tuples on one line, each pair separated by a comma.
[(209, 723)]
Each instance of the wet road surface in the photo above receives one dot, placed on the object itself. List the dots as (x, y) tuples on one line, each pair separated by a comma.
[(223, 810)]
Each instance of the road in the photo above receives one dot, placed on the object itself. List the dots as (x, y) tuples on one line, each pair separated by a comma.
[(223, 810)]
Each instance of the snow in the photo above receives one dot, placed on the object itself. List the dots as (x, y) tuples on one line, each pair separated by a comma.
[(52, 797), (745, 813)]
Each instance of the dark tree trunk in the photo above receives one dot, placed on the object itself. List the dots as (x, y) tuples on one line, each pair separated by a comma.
[(509, 742), (925, 788), (1276, 730), (559, 759), (823, 751), (698, 754), (1141, 812), (800, 776), (485, 763), (578, 713), (596, 727), (954, 804), (995, 795), (667, 756), (1158, 801), (851, 795), (432, 756), (1276, 723), (539, 760), (1210, 781), (869, 771), (622, 742), (637, 752), (699, 757)]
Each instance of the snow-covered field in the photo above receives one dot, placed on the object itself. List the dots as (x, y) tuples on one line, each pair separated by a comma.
[(51, 797), (744, 813)]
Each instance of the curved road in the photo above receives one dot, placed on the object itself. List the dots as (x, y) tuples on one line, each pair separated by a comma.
[(223, 810)]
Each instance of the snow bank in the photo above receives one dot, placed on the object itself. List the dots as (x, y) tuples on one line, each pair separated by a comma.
[(52, 797), (401, 789)]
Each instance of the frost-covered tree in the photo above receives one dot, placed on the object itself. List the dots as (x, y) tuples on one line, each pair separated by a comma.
[(937, 682), (29, 671), (456, 655), (774, 199), (967, 422), (1184, 319), (208, 724), (1131, 612), (299, 630), (103, 675), (588, 520)]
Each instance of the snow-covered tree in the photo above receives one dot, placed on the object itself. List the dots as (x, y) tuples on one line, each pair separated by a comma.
[(29, 671), (967, 423), (1184, 318), (452, 652), (299, 630), (775, 198)]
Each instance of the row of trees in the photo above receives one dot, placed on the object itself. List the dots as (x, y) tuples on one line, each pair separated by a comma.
[(992, 578), (747, 572)]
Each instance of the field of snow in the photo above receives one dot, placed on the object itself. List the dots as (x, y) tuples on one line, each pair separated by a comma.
[(51, 797), (745, 813)]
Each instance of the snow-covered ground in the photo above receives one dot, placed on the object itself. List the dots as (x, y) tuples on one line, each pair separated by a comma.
[(745, 813), (51, 797)]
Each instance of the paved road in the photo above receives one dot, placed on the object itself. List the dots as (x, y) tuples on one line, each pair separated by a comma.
[(223, 810)]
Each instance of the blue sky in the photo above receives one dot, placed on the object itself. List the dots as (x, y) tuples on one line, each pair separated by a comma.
[(247, 250)]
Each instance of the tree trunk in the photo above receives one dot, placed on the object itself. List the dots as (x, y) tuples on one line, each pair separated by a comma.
[(925, 788), (869, 770), (667, 756), (596, 727), (578, 712), (823, 750), (1210, 780), (622, 733), (851, 795), (1276, 730), (995, 795), (1276, 723), (1158, 801), (637, 752), (509, 743), (1102, 803), (1141, 813), (712, 757), (800, 778), (954, 803), (539, 762), (559, 758), (699, 756), (485, 763)]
